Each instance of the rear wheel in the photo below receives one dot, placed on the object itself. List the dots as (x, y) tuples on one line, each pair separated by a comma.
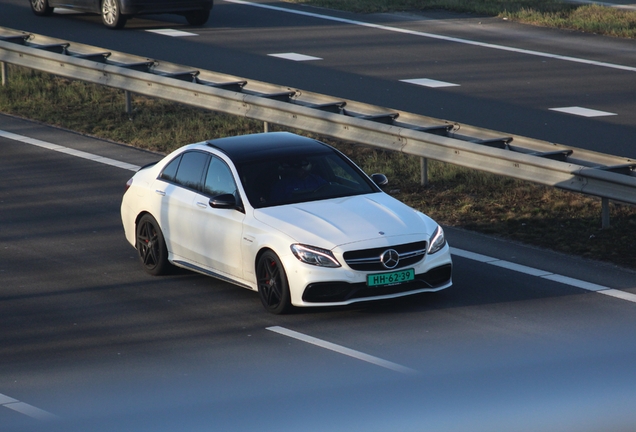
[(151, 246), (197, 18), (41, 7), (272, 284), (111, 14)]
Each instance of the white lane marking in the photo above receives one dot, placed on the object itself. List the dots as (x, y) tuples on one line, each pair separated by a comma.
[(584, 112), (458, 252), (620, 295), (294, 56), (439, 37), (426, 82), (172, 32), (4, 399), (26, 409), (69, 151), (342, 350), (565, 280), (473, 256), (520, 268)]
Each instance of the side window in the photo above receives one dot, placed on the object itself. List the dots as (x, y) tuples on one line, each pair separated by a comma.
[(219, 179), (170, 171), (190, 171)]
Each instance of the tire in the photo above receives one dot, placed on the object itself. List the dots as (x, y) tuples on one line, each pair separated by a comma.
[(111, 14), (273, 288), (197, 18), (41, 7), (151, 246)]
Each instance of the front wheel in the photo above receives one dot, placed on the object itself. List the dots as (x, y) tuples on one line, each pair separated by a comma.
[(41, 7), (111, 14), (273, 288), (151, 246)]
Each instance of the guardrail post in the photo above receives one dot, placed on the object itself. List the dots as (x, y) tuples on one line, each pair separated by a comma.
[(3, 66), (128, 102), (424, 171), (605, 213)]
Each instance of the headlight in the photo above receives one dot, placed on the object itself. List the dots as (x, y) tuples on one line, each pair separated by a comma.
[(314, 256), (437, 241)]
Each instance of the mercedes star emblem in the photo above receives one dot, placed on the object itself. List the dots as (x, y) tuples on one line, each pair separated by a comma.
[(390, 258)]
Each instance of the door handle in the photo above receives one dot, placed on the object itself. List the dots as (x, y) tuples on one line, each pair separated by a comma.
[(202, 204), (160, 192)]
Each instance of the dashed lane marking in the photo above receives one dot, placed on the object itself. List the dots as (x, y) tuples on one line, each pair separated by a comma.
[(295, 56), (426, 82), (172, 32), (26, 409), (583, 112), (343, 350)]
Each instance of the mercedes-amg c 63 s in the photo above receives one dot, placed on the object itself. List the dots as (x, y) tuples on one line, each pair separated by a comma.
[(284, 215)]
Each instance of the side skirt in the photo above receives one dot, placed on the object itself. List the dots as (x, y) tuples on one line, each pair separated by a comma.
[(201, 270)]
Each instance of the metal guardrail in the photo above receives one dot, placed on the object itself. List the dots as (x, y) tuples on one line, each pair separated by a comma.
[(573, 169)]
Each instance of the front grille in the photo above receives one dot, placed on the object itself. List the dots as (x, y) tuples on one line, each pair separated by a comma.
[(369, 259)]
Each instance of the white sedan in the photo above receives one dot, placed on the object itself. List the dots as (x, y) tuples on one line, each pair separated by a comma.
[(284, 215)]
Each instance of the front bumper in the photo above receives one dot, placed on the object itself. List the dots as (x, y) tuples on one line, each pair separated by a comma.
[(344, 292), (318, 286)]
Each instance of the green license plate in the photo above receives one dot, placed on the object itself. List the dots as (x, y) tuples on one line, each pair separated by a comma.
[(396, 277)]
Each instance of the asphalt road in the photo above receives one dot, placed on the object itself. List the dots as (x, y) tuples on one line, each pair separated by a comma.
[(486, 72), (525, 340), (522, 341)]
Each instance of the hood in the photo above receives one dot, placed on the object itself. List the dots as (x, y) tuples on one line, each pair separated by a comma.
[(335, 222)]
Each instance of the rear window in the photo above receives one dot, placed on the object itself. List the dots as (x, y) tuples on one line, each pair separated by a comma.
[(169, 173), (187, 170)]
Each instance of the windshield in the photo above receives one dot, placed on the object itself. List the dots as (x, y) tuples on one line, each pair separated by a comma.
[(298, 178)]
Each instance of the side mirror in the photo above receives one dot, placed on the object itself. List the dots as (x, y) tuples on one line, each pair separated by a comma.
[(380, 180), (225, 201)]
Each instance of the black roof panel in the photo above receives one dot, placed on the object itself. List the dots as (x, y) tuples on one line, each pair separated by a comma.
[(245, 148)]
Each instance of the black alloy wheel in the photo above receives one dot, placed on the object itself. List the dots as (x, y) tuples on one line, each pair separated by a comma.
[(273, 288), (41, 7), (151, 246)]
